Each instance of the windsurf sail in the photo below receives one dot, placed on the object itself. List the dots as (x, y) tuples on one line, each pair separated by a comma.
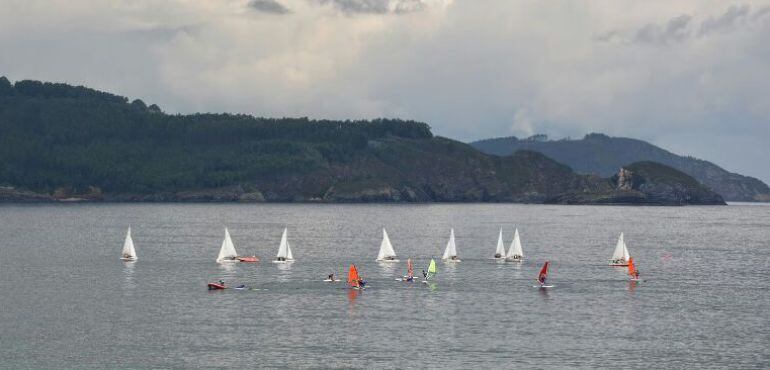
[(543, 273), (129, 253), (631, 268), (431, 269), (451, 250), (284, 249), (409, 268), (386, 249), (515, 252), (620, 255), (500, 251), (227, 251), (353, 276)]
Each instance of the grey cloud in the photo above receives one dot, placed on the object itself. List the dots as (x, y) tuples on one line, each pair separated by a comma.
[(733, 16), (376, 6), (674, 30), (269, 6)]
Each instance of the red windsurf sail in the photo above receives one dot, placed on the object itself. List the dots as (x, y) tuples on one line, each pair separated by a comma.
[(353, 276), (631, 268), (543, 273)]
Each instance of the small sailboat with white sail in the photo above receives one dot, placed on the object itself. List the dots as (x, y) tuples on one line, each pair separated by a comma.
[(129, 253), (450, 252), (620, 256), (500, 251), (515, 253), (284, 249), (227, 251), (386, 254)]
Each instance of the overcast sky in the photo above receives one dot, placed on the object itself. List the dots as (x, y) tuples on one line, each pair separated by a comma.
[(692, 76)]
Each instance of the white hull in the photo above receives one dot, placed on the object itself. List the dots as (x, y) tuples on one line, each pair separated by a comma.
[(289, 261), (514, 260), (128, 259), (388, 261), (451, 261)]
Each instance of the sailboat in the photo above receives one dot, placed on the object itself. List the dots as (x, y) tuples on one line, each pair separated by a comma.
[(129, 253), (386, 254), (431, 271), (450, 253), (632, 271), (620, 257), (515, 254), (542, 276), (354, 281), (500, 251), (409, 272), (227, 252), (284, 250)]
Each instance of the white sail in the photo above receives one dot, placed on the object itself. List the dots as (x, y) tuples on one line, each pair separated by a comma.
[(227, 251), (500, 251), (129, 253), (289, 256), (284, 250), (386, 249), (515, 250), (451, 249), (621, 252)]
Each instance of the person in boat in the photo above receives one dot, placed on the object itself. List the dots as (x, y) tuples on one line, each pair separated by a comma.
[(390, 258), (330, 277), (221, 282), (454, 258), (517, 257), (498, 255)]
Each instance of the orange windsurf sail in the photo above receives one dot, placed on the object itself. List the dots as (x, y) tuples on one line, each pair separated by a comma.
[(631, 267), (353, 276)]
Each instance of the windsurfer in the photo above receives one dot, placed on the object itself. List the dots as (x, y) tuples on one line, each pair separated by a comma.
[(331, 277), (424, 274)]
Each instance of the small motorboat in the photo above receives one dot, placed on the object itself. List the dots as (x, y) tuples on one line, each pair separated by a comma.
[(216, 286), (250, 259)]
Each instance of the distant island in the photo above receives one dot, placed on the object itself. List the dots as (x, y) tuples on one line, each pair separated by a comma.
[(602, 155), (71, 143)]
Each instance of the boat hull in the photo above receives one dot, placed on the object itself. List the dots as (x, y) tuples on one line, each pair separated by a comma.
[(249, 259), (127, 259), (619, 264), (216, 286)]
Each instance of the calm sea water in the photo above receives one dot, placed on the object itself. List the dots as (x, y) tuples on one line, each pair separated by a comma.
[(68, 301)]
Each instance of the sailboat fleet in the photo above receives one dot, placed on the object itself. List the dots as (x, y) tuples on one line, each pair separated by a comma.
[(227, 253)]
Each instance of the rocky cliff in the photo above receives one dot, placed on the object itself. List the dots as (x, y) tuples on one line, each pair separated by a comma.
[(602, 155)]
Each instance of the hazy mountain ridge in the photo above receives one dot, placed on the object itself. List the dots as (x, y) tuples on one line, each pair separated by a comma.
[(61, 142), (603, 155)]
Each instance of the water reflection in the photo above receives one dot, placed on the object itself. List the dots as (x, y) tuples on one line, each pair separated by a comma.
[(544, 293), (632, 285), (387, 268), (128, 275), (284, 270)]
